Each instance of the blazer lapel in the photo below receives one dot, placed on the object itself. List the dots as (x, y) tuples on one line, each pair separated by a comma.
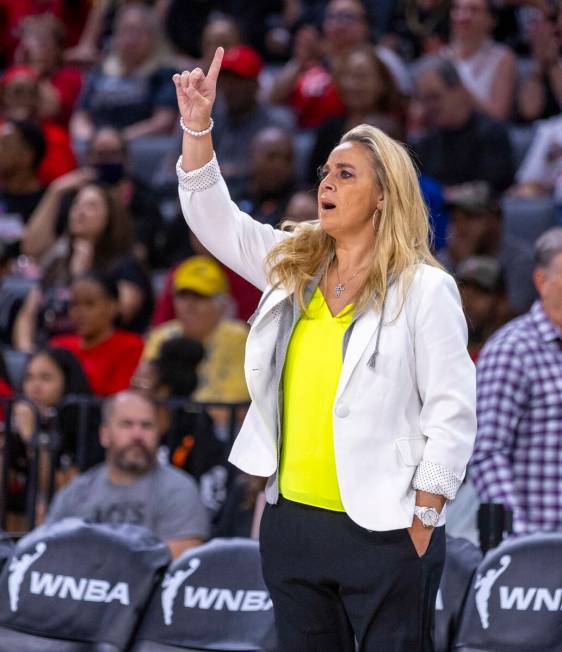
[(363, 335)]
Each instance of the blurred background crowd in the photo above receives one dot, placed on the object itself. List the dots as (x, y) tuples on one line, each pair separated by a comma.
[(103, 288)]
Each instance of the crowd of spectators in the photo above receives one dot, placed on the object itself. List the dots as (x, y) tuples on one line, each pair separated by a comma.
[(102, 287)]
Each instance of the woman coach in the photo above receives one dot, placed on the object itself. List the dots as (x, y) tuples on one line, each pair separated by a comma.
[(363, 394)]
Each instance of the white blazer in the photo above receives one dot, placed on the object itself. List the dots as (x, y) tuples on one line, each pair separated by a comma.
[(407, 424)]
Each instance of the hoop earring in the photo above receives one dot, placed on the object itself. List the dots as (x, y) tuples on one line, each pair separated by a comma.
[(376, 215)]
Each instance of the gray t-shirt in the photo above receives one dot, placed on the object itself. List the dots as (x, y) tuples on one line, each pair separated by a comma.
[(165, 500)]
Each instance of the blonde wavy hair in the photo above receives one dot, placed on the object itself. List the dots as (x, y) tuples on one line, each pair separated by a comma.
[(403, 233)]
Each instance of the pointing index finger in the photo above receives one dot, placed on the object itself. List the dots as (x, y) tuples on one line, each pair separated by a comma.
[(215, 66)]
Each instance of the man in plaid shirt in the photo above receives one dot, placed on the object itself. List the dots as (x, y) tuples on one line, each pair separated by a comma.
[(517, 458)]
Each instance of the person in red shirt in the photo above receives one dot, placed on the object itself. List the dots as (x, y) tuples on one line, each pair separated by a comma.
[(109, 356), (41, 47), (21, 100)]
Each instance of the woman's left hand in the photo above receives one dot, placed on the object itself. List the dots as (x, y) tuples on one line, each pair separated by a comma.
[(420, 535)]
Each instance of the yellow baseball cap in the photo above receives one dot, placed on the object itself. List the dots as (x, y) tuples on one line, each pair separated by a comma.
[(200, 274)]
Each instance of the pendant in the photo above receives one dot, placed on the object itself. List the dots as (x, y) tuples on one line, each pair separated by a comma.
[(340, 287)]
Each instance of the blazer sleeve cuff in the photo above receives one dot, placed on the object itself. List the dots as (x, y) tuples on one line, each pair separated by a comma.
[(436, 479), (199, 179)]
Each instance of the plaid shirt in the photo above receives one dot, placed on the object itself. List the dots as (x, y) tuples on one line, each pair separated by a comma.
[(517, 458)]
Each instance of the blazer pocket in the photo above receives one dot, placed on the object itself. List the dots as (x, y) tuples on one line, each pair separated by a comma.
[(410, 449)]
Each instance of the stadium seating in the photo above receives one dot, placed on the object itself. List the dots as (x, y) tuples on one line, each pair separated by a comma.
[(527, 218), (462, 559), (212, 598), (515, 599), (78, 587)]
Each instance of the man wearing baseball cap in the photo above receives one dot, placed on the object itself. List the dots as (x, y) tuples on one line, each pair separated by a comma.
[(201, 302), (240, 115), (484, 300)]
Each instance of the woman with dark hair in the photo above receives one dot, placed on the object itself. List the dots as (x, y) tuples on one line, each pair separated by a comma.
[(51, 375), (370, 96), (98, 236), (108, 355)]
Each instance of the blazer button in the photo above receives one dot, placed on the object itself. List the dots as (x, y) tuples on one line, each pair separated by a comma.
[(256, 371), (342, 411)]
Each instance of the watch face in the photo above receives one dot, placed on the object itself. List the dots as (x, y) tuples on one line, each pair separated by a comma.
[(430, 517)]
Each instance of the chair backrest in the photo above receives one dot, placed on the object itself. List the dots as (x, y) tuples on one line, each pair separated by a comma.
[(460, 563), (78, 585), (212, 598), (15, 362), (527, 218), (6, 548), (515, 599)]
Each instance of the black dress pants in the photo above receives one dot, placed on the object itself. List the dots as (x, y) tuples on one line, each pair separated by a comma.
[(337, 587)]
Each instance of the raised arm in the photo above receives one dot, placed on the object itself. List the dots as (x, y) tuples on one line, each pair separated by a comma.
[(237, 240)]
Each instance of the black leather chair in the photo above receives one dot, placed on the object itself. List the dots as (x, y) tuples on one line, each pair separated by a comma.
[(212, 598), (515, 599), (460, 563), (78, 587)]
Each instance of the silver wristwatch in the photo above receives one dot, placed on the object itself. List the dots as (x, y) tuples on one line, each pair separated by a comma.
[(429, 516)]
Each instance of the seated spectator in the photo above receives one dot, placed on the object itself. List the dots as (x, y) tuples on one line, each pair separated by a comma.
[(516, 460), (475, 229), (272, 171), (306, 82), (132, 486), (107, 157), (239, 116), (200, 302), (21, 100), (188, 433), (132, 89), (418, 28), (540, 173), (50, 376), (72, 15), (302, 207), (484, 299), (97, 236), (41, 46), (22, 147), (539, 95), (463, 145), (244, 295), (487, 69), (370, 96), (108, 355), (220, 30)]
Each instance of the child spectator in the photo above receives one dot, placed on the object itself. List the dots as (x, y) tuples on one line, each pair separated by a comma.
[(108, 355)]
